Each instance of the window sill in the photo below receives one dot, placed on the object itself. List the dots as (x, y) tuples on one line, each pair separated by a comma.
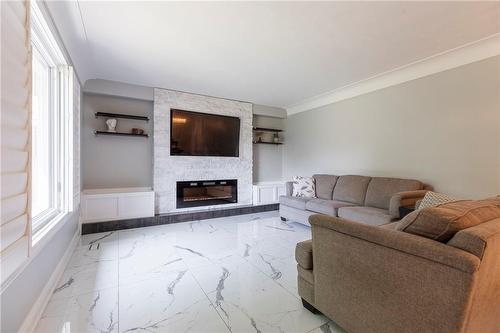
[(50, 228), (41, 220)]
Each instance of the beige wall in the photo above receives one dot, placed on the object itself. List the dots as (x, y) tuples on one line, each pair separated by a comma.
[(443, 129)]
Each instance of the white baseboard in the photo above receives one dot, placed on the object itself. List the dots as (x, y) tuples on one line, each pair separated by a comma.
[(31, 320)]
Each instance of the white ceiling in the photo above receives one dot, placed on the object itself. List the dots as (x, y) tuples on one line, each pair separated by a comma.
[(272, 53)]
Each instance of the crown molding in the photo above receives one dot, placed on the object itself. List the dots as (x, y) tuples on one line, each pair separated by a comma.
[(466, 54)]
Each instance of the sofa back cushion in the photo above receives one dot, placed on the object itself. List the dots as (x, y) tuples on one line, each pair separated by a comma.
[(351, 189), (381, 189), (325, 185), (442, 222)]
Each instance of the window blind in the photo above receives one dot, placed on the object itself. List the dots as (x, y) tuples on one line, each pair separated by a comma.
[(15, 135)]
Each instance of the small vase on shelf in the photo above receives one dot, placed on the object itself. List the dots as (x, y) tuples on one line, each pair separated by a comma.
[(111, 123), (276, 138)]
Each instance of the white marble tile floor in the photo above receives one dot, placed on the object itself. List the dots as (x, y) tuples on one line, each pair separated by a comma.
[(232, 274)]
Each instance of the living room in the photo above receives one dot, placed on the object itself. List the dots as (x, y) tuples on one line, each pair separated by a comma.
[(250, 166)]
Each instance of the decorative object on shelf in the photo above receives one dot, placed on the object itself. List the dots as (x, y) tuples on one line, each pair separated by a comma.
[(276, 138), (268, 136), (111, 123), (120, 115), (137, 130), (269, 143), (264, 129), (119, 134)]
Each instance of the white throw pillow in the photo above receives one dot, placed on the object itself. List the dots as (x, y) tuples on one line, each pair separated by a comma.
[(304, 187), (433, 199)]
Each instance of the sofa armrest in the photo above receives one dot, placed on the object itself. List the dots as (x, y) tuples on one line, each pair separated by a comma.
[(399, 241), (407, 198), (289, 188)]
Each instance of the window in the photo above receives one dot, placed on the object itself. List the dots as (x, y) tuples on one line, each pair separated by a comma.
[(43, 187), (51, 126)]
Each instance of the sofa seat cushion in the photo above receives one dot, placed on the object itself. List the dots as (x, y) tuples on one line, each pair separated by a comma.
[(306, 274), (295, 202), (442, 222), (327, 207), (367, 215), (305, 288), (304, 254)]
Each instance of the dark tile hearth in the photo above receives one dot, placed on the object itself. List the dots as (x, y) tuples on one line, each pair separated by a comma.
[(91, 228)]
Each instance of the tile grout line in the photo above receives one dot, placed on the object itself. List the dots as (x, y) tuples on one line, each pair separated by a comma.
[(266, 274), (286, 290), (206, 295), (274, 281)]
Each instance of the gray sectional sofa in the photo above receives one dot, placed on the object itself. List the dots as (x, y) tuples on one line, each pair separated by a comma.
[(370, 200)]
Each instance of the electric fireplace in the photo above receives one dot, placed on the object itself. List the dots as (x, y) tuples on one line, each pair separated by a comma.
[(206, 193)]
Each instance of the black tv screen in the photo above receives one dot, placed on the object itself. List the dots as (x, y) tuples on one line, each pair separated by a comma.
[(203, 134)]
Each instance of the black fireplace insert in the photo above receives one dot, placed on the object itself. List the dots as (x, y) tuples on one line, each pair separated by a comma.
[(206, 193)]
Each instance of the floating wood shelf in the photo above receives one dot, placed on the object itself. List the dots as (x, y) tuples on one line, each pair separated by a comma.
[(263, 129), (119, 115), (268, 143), (119, 134)]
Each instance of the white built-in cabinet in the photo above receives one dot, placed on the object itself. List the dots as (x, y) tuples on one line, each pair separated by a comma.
[(265, 193), (117, 204)]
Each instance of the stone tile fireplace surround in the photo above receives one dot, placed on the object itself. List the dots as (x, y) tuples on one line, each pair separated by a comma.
[(168, 170)]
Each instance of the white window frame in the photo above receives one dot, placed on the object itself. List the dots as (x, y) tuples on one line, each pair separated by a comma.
[(39, 220), (61, 109)]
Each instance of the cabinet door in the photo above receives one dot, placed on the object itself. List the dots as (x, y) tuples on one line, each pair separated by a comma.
[(136, 206), (255, 195), (267, 195), (101, 208), (280, 189)]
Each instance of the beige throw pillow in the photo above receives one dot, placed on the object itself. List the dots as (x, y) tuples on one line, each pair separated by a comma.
[(433, 199), (303, 187)]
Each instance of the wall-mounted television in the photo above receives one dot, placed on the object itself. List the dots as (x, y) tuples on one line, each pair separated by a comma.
[(203, 134)]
